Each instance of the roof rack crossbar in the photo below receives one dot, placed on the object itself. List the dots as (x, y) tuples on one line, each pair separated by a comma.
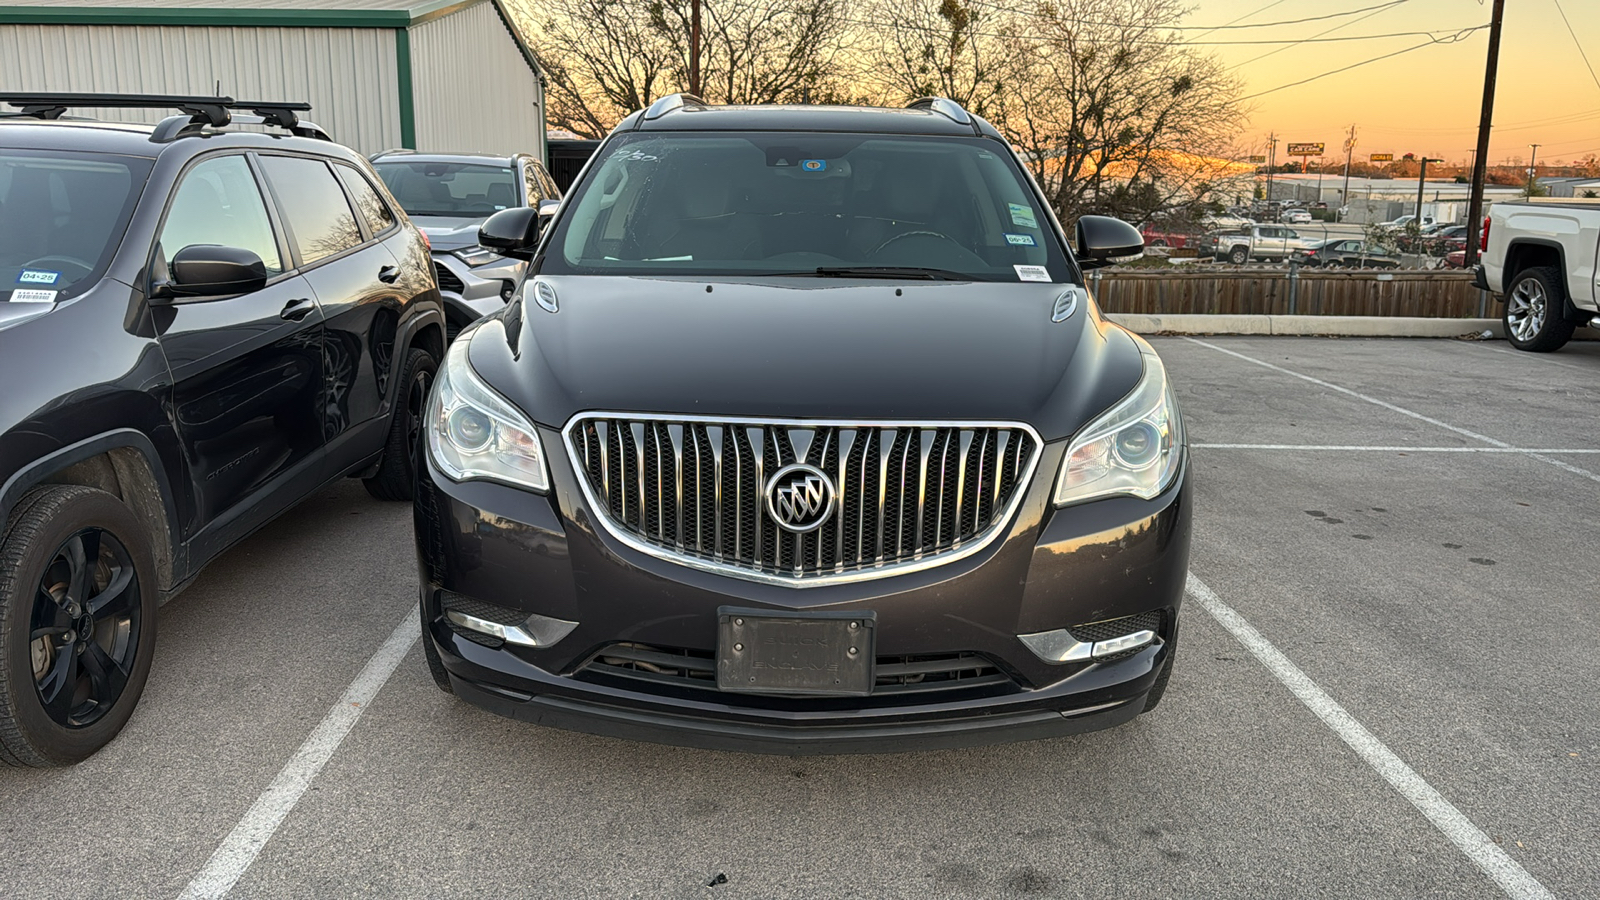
[(199, 112)]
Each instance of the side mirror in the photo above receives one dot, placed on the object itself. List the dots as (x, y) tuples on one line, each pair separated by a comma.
[(1103, 240), (211, 270), (511, 232)]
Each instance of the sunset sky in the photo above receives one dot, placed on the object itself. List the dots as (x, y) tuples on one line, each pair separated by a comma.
[(1425, 101)]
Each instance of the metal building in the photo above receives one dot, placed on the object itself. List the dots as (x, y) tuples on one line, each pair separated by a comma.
[(434, 75)]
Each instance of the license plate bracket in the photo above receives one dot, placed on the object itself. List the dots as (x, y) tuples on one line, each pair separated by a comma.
[(760, 651)]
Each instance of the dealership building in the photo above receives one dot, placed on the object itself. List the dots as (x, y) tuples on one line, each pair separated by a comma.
[(431, 75)]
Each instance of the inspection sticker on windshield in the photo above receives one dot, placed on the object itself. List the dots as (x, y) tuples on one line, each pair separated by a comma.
[(1032, 273), (1022, 215), (814, 165), (21, 295), (37, 276), (1021, 240)]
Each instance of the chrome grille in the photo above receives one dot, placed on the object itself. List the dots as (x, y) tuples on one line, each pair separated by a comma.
[(907, 495)]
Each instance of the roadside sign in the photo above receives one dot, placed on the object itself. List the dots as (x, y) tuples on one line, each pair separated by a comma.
[(1258, 158), (1382, 157), (1306, 149)]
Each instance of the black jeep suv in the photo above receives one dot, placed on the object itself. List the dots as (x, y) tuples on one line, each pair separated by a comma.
[(198, 328), (803, 435)]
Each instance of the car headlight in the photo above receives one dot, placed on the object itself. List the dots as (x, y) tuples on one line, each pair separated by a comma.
[(474, 434), (476, 256), (1132, 449)]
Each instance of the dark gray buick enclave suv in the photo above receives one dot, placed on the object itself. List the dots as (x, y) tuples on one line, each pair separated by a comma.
[(803, 435)]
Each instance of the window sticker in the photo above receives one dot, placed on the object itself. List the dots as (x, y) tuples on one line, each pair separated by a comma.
[(1021, 240), (21, 295), (814, 165), (1032, 273), (37, 276), (1022, 215)]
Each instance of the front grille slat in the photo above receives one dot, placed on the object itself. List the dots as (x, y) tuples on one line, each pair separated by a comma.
[(902, 493)]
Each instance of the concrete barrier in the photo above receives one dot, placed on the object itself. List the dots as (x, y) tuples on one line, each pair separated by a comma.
[(1345, 326)]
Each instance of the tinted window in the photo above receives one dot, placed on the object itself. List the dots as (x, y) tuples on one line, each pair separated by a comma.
[(219, 202), (319, 217), (450, 189), (377, 214), (61, 217), (795, 202)]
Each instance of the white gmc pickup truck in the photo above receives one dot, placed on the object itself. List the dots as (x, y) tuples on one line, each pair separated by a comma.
[(1539, 257)]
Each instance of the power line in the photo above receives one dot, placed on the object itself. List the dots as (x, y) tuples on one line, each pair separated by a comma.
[(1316, 37), (931, 29), (1577, 42), (1455, 38), (1249, 15), (1206, 28)]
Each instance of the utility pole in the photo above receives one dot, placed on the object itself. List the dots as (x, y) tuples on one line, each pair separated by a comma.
[(1533, 166), (1272, 163), (1422, 183), (1349, 149), (694, 50), (1480, 158)]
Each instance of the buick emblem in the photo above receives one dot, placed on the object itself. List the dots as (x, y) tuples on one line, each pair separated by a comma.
[(800, 498)]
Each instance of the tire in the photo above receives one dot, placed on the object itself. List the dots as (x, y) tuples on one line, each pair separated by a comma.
[(1159, 242), (397, 473), (1535, 311), (431, 654), (1239, 256), (1159, 688), (94, 670)]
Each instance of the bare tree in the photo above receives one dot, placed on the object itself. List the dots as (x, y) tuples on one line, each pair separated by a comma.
[(603, 59), (1111, 111)]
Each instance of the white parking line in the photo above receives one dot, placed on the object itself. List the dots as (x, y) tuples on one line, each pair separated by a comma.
[(245, 842), (1359, 448), (1485, 853), (1532, 454)]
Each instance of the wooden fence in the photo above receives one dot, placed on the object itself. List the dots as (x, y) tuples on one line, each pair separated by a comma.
[(1290, 291)]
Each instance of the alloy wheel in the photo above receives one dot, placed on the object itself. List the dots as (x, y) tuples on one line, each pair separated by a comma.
[(84, 630), (416, 409), (1526, 309)]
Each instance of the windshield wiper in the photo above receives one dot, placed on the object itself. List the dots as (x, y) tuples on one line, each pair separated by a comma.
[(892, 272)]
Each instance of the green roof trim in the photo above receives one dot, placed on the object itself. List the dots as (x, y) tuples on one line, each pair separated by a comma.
[(272, 17), (235, 16)]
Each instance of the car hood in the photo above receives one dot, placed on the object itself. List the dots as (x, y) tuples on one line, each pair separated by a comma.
[(807, 348), (449, 232)]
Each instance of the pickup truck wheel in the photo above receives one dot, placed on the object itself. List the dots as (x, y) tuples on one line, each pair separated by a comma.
[(77, 624), (397, 474), (1535, 310), (1238, 256)]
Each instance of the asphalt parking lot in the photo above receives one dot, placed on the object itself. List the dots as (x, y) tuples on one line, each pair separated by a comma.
[(1386, 689)]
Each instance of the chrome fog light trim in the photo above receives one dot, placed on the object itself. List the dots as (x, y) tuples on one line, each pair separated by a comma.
[(537, 631), (1059, 646)]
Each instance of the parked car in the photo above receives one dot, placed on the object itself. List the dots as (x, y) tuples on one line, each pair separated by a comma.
[(1258, 242), (1455, 259), (1348, 253), (199, 327), (626, 526), (1539, 259), (1167, 235), (1405, 220), (1296, 216), (1445, 239), (448, 195)]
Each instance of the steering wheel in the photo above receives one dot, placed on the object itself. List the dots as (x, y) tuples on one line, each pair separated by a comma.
[(910, 234), (44, 261)]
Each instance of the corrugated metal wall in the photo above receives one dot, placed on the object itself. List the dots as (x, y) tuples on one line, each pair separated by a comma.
[(473, 88), (347, 74)]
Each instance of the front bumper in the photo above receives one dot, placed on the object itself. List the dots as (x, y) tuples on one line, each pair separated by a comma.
[(470, 294), (1052, 568)]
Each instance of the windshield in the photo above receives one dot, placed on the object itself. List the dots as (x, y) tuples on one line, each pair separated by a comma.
[(61, 217), (467, 190), (788, 203)]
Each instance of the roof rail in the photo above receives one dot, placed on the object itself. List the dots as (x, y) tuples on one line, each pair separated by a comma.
[(199, 112), (944, 106), (671, 102)]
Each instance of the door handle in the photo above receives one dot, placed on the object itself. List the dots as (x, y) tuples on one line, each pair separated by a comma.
[(297, 309), (389, 274)]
